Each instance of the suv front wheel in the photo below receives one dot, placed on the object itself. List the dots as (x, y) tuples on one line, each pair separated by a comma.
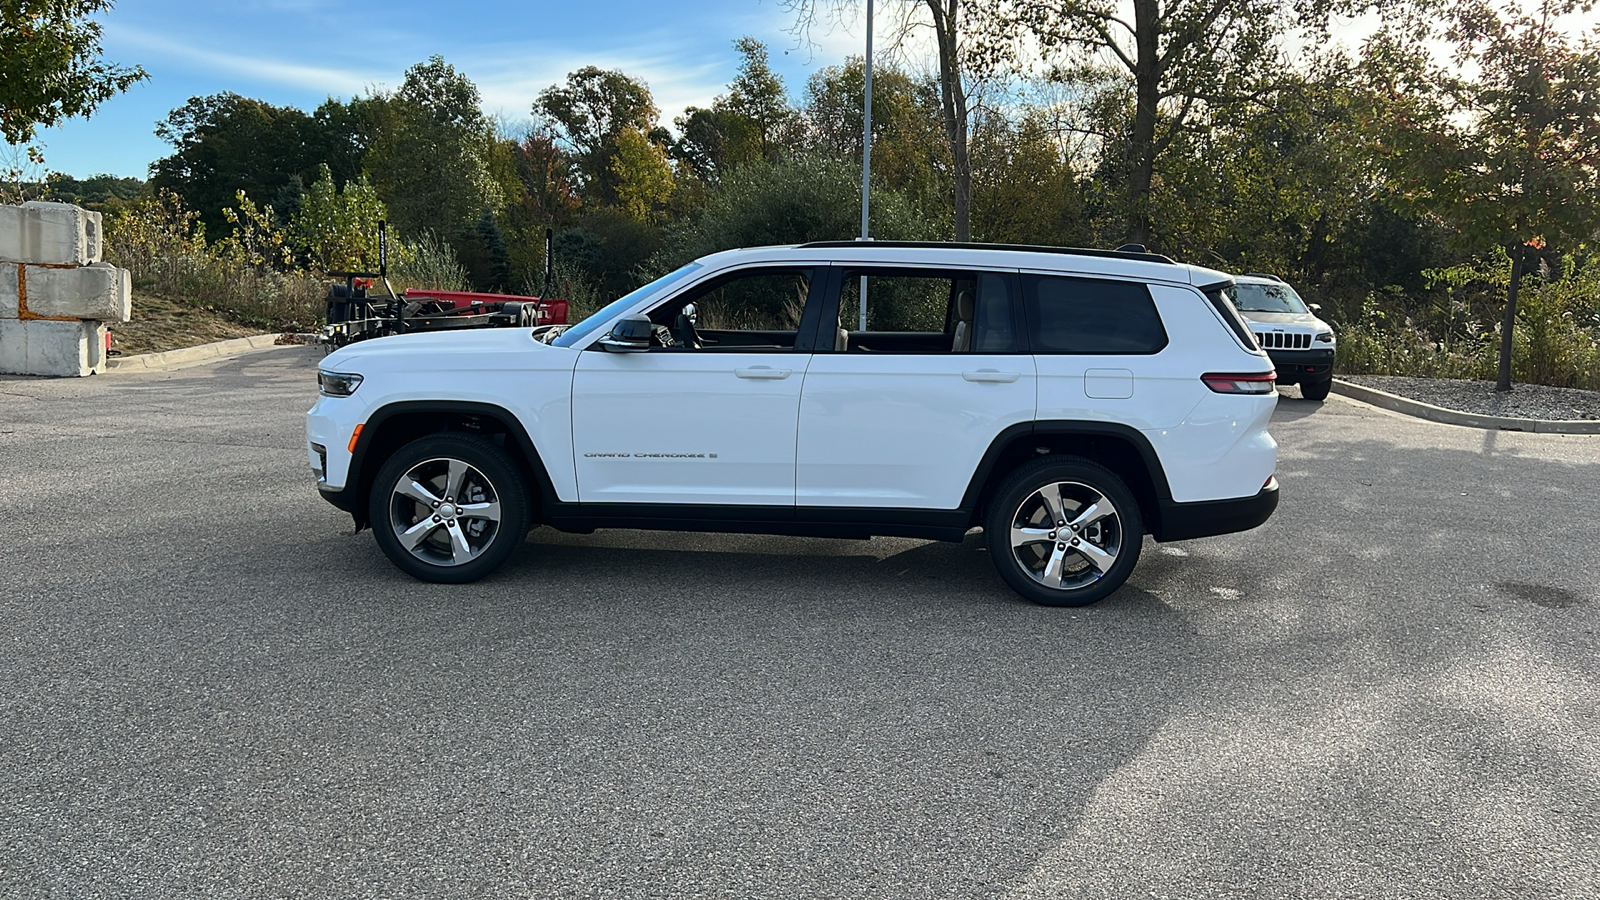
[(1315, 390), (449, 508), (1064, 531)]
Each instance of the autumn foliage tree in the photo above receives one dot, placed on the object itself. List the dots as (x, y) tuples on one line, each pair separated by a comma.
[(1510, 154), (1178, 58)]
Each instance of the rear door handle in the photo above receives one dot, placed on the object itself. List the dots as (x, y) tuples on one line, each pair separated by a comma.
[(763, 373), (992, 376)]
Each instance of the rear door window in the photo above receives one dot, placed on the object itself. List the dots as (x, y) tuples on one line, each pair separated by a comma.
[(926, 311)]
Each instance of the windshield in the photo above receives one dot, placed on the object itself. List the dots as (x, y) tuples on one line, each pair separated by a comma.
[(1268, 298), (601, 316)]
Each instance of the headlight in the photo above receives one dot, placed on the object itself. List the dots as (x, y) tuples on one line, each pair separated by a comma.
[(1325, 337), (337, 384)]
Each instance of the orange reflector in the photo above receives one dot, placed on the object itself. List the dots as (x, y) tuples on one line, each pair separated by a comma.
[(355, 436)]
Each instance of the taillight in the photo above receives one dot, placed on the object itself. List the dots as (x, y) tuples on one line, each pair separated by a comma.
[(1240, 382)]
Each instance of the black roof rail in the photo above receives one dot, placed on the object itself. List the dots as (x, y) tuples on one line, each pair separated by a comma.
[(1267, 275), (1015, 248)]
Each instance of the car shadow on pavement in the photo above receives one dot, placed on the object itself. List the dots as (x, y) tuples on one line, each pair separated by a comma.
[(1293, 409), (728, 709)]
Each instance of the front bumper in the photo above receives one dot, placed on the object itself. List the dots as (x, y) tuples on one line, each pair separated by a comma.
[(343, 498), (1296, 366)]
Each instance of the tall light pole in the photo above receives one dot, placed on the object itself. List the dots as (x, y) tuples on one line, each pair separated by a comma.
[(866, 160)]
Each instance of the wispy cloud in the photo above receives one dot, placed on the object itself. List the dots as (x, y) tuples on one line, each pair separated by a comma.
[(510, 77), (336, 81)]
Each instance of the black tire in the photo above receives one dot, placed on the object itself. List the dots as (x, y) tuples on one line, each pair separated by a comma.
[(1027, 561), (466, 541), (1315, 390)]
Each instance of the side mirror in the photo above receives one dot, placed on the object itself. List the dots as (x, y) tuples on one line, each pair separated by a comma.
[(1314, 307), (629, 335)]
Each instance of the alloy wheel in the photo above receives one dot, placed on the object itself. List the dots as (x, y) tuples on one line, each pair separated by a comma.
[(1066, 535), (445, 512)]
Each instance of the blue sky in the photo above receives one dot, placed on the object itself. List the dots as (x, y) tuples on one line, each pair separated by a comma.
[(299, 52)]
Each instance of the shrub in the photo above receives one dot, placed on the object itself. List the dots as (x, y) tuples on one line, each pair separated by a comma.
[(1556, 340), (163, 247)]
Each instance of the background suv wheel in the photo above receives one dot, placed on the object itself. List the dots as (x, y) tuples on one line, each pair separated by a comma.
[(1315, 390), (1064, 531), (449, 508)]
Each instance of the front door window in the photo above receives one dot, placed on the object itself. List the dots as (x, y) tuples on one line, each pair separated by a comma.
[(707, 415)]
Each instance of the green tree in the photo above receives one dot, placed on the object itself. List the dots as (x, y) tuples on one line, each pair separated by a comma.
[(225, 143), (337, 229), (484, 255), (50, 65), (590, 113), (1509, 155), (606, 247), (256, 238), (752, 122), (756, 105), (908, 152), (1177, 58), (105, 193), (1269, 187), (951, 23), (791, 202), (642, 177), (1024, 187), (429, 151)]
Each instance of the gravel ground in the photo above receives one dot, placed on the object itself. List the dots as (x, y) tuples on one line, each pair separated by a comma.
[(1526, 401)]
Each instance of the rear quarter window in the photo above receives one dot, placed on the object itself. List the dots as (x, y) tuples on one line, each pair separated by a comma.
[(1222, 297), (1090, 315)]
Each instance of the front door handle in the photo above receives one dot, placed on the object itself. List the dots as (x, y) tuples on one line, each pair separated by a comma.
[(762, 373), (991, 376)]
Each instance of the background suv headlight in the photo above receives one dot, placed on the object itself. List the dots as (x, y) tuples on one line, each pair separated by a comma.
[(1325, 337), (337, 384)]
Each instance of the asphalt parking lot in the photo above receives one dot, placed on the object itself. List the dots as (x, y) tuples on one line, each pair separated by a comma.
[(208, 688)]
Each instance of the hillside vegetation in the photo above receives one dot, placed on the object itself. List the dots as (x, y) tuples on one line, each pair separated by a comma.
[(1436, 189)]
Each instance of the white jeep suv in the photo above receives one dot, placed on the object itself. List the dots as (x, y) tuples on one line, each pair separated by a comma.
[(1300, 345), (1067, 401)]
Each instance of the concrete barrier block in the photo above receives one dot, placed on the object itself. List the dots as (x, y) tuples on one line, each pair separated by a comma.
[(8, 290), (56, 234), (94, 236), (97, 291), (97, 346), (31, 347)]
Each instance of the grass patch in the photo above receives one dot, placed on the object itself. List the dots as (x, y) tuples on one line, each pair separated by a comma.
[(160, 324)]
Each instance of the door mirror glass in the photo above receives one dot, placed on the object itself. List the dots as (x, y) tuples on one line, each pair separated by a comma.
[(630, 334)]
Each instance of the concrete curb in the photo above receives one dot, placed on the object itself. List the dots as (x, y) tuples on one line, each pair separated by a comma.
[(1393, 403), (170, 358)]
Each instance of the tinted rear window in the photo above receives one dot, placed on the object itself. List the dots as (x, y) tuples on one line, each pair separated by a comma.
[(1222, 298), (1087, 315)]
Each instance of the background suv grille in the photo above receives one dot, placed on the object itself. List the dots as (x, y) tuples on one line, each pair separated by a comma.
[(1277, 340)]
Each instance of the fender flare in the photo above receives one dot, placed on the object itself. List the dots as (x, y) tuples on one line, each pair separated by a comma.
[(359, 479), (1023, 430)]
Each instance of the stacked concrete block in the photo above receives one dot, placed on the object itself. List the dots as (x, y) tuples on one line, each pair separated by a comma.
[(45, 347), (49, 233), (55, 293), (98, 291)]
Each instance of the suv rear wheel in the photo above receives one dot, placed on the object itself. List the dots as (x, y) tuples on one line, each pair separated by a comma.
[(449, 508), (1064, 531)]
